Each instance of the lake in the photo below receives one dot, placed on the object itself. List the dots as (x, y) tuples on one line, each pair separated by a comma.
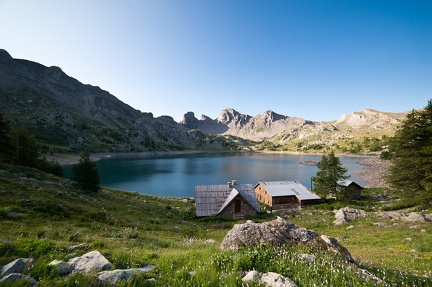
[(177, 175)]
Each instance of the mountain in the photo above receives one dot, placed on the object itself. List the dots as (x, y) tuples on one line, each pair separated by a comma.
[(352, 132), (60, 110)]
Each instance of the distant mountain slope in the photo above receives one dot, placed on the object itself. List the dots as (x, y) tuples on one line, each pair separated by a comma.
[(296, 134), (61, 110)]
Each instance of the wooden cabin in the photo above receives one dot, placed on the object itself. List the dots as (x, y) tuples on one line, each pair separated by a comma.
[(285, 194), (231, 200), (354, 190)]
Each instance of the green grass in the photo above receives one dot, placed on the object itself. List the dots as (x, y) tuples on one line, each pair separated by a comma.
[(133, 230)]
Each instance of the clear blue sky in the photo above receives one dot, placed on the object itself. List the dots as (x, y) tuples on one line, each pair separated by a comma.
[(312, 59)]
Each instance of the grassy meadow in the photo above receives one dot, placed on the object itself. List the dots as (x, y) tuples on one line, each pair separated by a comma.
[(41, 216)]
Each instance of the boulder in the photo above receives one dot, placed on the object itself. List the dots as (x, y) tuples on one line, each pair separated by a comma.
[(347, 214), (63, 268), (415, 217), (17, 266), (14, 277), (115, 276), (89, 262), (279, 232), (268, 279), (308, 258), (272, 279), (276, 232), (79, 246)]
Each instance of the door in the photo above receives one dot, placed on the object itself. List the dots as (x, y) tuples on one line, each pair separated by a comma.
[(237, 205)]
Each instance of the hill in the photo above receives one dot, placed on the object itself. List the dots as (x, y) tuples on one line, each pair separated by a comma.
[(45, 218), (61, 111)]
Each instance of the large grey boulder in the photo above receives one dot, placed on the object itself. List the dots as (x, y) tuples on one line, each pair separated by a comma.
[(115, 276), (89, 262), (17, 266), (279, 232), (276, 232), (347, 214)]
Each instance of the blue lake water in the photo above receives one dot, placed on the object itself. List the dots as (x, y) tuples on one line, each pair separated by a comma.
[(177, 175)]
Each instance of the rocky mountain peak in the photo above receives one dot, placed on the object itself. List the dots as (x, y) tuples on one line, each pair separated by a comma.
[(190, 121), (231, 116)]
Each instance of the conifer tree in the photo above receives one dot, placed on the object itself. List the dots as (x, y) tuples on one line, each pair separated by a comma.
[(6, 147), (329, 177), (25, 147), (411, 155), (85, 173)]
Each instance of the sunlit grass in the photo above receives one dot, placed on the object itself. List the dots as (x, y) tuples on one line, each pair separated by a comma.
[(134, 230)]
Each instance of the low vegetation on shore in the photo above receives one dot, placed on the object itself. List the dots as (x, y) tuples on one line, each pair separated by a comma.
[(43, 216)]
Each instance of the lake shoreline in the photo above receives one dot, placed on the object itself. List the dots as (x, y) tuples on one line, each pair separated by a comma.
[(374, 174)]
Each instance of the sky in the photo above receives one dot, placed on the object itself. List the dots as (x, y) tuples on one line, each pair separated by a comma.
[(310, 59)]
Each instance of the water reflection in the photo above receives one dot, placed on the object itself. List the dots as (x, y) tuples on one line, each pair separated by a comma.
[(176, 176)]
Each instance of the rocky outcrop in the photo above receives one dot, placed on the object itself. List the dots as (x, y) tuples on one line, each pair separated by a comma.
[(279, 232), (89, 262), (115, 276), (347, 214), (270, 279)]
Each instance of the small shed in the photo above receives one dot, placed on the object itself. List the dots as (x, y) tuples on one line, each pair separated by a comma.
[(231, 199), (354, 190), (285, 194)]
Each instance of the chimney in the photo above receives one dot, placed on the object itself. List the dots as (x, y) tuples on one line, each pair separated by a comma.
[(234, 182), (229, 184)]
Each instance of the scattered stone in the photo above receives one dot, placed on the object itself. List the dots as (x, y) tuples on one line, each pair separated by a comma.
[(423, 230), (63, 268), (272, 279), (335, 246), (17, 266), (14, 214), (14, 277), (115, 276), (251, 276), (210, 241), (366, 275), (28, 202), (380, 224), (350, 227), (92, 261), (309, 258), (347, 214), (79, 246), (415, 217)]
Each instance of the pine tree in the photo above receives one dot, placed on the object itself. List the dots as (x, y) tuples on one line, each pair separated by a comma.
[(329, 177), (85, 173), (25, 147), (411, 155), (6, 147)]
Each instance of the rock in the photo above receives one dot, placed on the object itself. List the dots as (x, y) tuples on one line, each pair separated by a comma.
[(79, 246), (279, 232), (14, 277), (115, 276), (415, 217), (393, 215), (17, 266), (63, 268), (347, 214), (91, 261), (380, 224), (276, 232), (14, 214), (309, 258), (275, 280), (350, 227), (335, 246), (251, 276)]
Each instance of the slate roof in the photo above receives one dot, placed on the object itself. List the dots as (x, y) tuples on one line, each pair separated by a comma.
[(210, 200), (348, 183), (288, 188)]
